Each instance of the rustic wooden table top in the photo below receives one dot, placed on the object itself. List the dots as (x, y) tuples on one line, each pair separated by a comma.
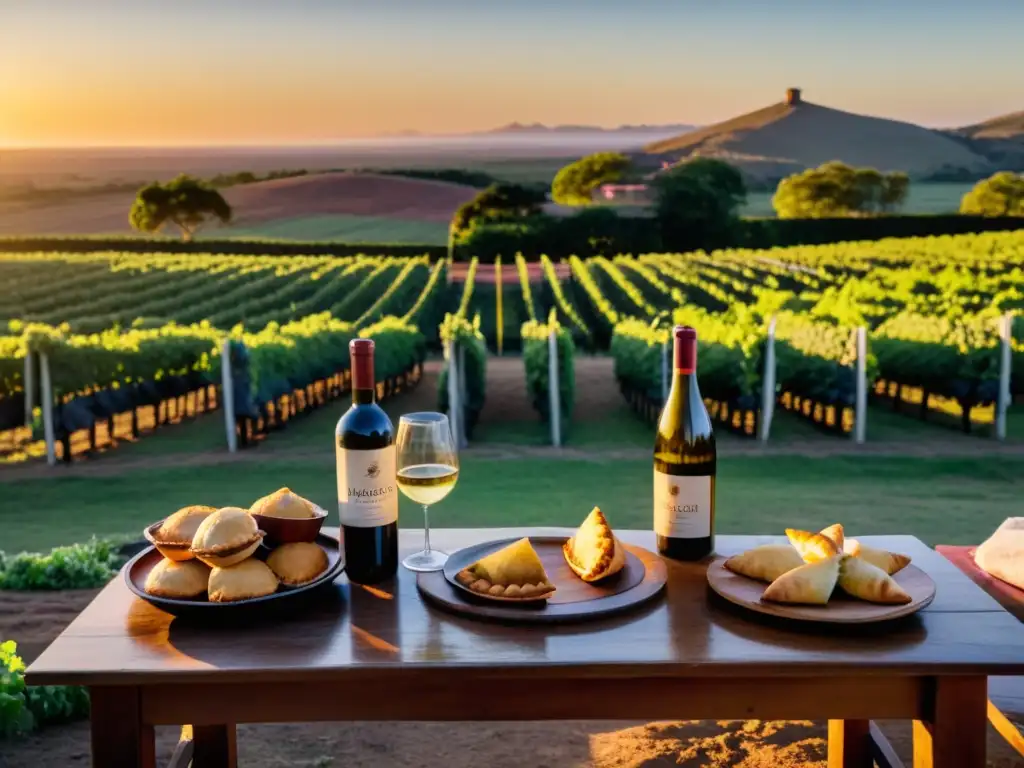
[(381, 632)]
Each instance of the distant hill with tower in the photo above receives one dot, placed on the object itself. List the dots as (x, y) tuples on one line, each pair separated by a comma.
[(775, 141)]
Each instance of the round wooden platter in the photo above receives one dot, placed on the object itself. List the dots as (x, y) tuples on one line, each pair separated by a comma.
[(841, 609), (285, 598), (642, 578)]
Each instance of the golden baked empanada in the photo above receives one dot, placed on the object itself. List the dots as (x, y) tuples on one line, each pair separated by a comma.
[(835, 534), (249, 578), (812, 546), (860, 578), (766, 562), (181, 527), (180, 580), (889, 562), (226, 537), (514, 571), (811, 583), (594, 552), (298, 562), (282, 503)]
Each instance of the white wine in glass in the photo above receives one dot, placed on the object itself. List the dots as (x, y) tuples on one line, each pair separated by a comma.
[(428, 467)]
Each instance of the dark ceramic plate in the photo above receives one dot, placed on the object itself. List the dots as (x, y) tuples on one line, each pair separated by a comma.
[(138, 568)]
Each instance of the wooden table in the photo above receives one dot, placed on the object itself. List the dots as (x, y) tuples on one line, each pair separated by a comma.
[(382, 654)]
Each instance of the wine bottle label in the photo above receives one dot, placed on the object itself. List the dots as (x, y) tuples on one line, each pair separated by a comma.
[(682, 506), (367, 489)]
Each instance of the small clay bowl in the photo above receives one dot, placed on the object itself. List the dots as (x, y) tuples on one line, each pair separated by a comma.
[(285, 530), (177, 552)]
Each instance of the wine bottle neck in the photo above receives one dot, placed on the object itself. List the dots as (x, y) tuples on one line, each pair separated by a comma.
[(684, 358), (364, 396), (364, 386)]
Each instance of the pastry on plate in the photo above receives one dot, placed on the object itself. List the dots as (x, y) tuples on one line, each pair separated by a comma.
[(249, 578), (298, 563), (812, 546), (889, 562), (811, 583), (835, 534), (765, 563), (177, 579), (174, 536), (283, 503), (226, 537), (863, 580), (594, 552), (513, 572)]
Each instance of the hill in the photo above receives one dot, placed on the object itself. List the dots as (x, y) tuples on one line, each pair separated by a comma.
[(783, 138), (357, 194), (540, 128), (316, 196), (1000, 139)]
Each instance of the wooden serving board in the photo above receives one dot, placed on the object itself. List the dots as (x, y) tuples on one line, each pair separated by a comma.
[(285, 598), (841, 609), (642, 578)]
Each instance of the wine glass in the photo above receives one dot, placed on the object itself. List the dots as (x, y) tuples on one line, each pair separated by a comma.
[(428, 467)]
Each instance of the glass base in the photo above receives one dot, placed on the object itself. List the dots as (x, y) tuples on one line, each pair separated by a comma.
[(426, 561)]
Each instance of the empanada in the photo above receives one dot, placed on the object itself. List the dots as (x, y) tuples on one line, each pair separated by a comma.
[(249, 578), (812, 546), (835, 534), (298, 562), (181, 527), (863, 580), (180, 580), (811, 583), (887, 561), (282, 503), (226, 537), (514, 572), (766, 562), (594, 552)]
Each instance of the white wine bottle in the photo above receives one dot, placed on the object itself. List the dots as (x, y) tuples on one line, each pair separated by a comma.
[(684, 461)]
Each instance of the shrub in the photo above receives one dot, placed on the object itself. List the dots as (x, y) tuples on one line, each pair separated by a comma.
[(23, 709), (80, 566)]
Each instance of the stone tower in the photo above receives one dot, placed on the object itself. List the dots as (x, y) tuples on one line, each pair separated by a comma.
[(793, 96)]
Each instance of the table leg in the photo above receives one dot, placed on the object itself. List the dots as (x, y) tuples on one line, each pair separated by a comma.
[(954, 734), (214, 746), (849, 744), (119, 737)]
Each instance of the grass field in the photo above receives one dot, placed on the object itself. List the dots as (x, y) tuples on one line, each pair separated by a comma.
[(341, 228), (940, 500)]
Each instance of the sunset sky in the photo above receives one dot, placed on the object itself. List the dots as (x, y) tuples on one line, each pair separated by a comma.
[(107, 72)]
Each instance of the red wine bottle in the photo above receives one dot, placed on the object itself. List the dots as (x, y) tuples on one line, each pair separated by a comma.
[(684, 461), (367, 486)]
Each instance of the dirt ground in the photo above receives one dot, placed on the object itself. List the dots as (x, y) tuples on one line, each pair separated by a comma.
[(35, 618)]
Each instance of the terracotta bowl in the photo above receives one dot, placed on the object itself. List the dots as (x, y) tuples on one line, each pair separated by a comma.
[(285, 530), (176, 552)]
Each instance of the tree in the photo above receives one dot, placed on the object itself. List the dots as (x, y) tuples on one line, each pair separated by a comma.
[(499, 202), (895, 187), (999, 195), (186, 202), (697, 204), (575, 183), (836, 189)]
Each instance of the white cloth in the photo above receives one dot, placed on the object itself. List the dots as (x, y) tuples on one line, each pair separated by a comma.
[(1002, 555)]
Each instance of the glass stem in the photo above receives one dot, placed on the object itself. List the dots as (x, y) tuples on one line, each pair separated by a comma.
[(426, 529)]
